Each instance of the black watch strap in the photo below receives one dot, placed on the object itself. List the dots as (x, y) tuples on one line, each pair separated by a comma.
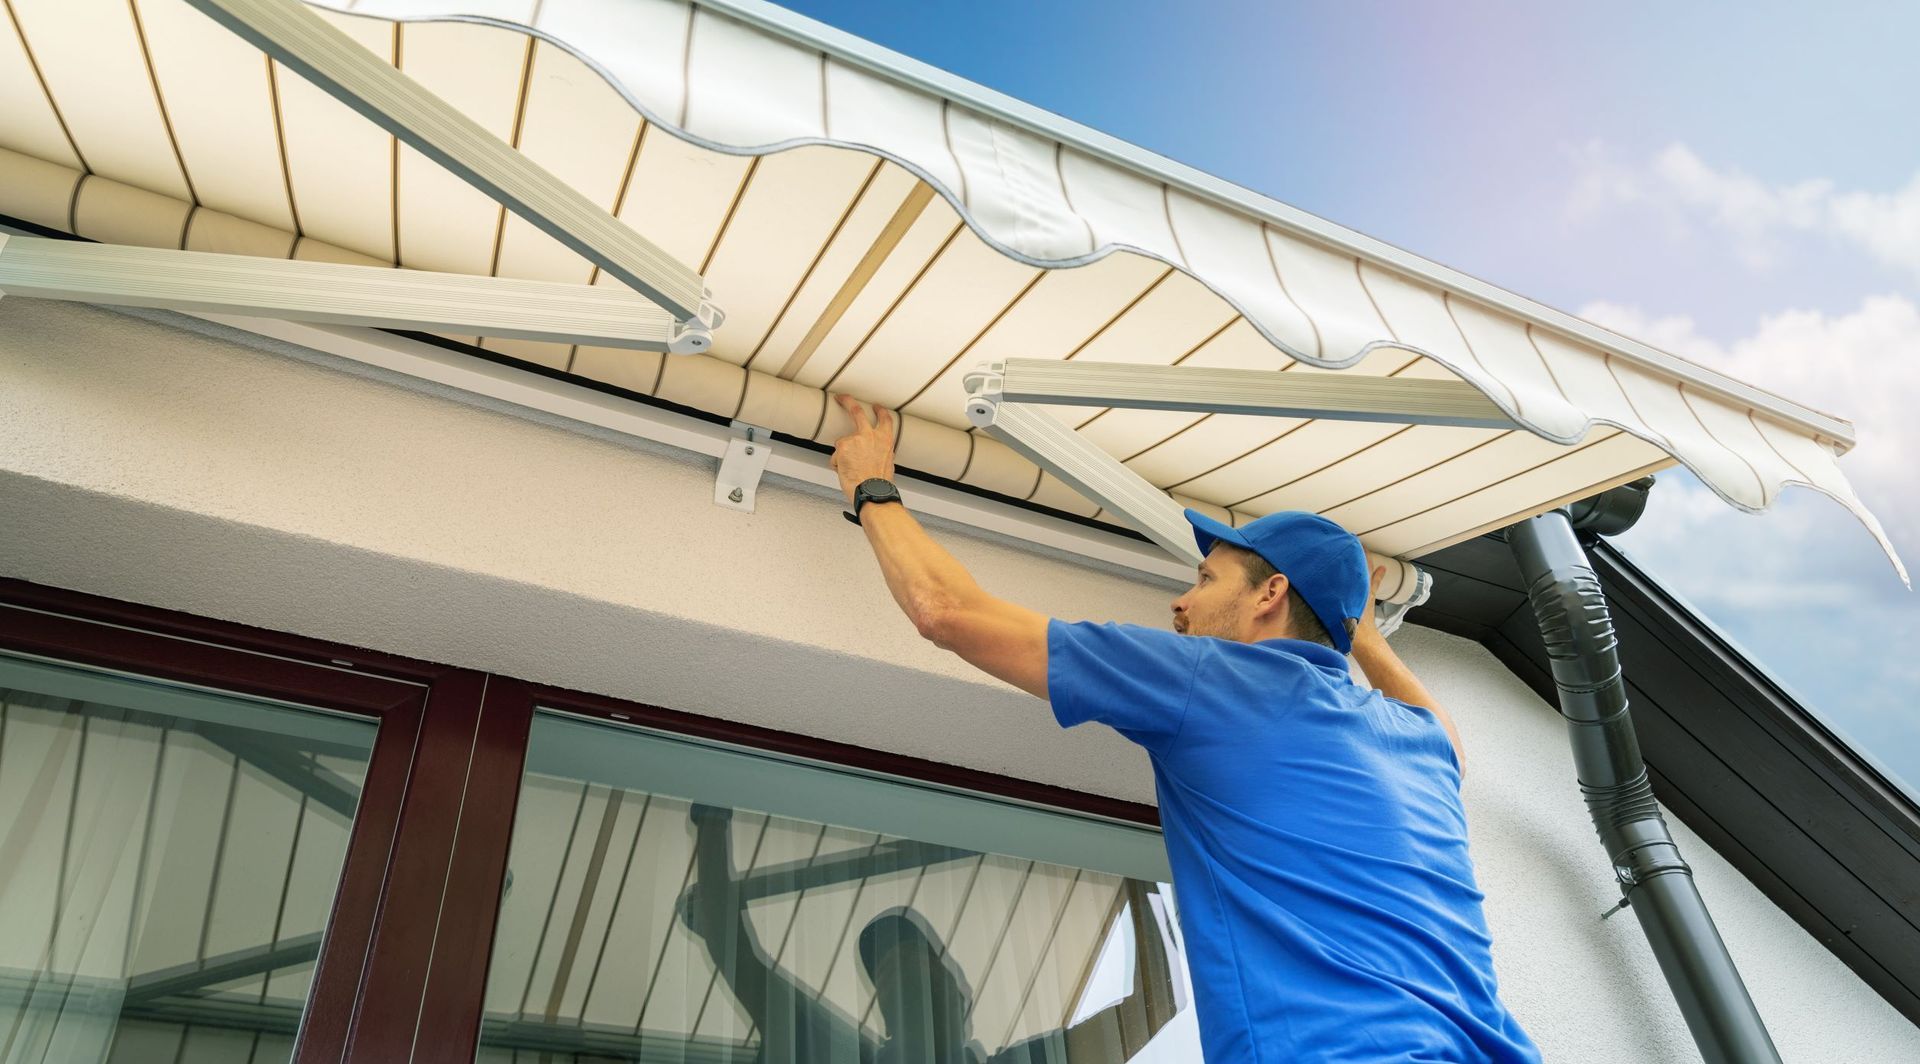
[(873, 489)]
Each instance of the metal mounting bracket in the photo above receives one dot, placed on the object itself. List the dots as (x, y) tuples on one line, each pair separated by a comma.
[(741, 467)]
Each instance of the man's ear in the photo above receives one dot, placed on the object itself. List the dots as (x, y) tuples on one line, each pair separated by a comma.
[(1273, 596)]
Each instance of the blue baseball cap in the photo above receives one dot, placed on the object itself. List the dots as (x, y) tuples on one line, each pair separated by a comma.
[(1321, 560)]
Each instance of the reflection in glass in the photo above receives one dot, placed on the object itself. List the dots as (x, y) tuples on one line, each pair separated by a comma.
[(167, 864), (644, 926)]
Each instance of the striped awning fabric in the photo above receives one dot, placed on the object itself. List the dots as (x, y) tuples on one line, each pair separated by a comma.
[(873, 226)]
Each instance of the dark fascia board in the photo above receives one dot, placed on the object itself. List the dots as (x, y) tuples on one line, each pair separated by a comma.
[(1732, 755), (1632, 589)]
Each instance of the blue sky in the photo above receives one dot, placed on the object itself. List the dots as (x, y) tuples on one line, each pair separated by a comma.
[(1738, 184)]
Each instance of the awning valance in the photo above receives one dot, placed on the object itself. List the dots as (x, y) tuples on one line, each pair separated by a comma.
[(874, 226)]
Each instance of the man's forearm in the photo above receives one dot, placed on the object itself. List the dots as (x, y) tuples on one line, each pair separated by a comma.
[(948, 607), (926, 581), (1391, 676), (935, 591)]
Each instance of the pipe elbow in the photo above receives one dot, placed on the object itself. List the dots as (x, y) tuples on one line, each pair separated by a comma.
[(1574, 621)]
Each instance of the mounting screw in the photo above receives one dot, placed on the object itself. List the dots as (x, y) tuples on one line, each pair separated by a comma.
[(736, 495)]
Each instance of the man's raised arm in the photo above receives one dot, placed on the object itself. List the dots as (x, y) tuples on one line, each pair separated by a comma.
[(944, 602), (1386, 672)]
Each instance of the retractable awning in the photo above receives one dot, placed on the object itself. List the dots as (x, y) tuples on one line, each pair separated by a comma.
[(873, 226)]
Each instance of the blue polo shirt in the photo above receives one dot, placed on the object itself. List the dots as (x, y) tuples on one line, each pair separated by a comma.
[(1318, 846)]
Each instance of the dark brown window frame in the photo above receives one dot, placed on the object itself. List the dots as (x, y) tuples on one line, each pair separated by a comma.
[(402, 970), (444, 733)]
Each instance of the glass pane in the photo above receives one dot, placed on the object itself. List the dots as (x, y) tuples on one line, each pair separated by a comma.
[(672, 901), (168, 860)]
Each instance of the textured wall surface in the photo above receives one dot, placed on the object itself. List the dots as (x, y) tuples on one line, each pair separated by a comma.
[(150, 464), (1589, 990), (155, 465)]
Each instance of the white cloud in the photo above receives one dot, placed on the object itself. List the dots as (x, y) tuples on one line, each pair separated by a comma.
[(1806, 595), (1888, 226), (1802, 587), (1686, 190), (1863, 365)]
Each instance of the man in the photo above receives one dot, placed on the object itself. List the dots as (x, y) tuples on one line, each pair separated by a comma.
[(1314, 826)]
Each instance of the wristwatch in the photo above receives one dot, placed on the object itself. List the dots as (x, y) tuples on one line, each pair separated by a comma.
[(872, 489)]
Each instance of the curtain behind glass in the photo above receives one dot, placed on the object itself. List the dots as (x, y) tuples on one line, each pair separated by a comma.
[(645, 926), (164, 880)]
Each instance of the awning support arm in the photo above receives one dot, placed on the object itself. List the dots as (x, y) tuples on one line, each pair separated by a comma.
[(1654, 881), (1346, 396), (1097, 475), (198, 282), (992, 407), (288, 31)]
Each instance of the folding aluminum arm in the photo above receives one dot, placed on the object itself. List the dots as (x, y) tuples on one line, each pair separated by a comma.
[(1345, 396), (672, 312), (201, 282), (993, 407), (291, 33), (1004, 399), (1096, 474)]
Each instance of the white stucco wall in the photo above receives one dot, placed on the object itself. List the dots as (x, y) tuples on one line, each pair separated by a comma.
[(1589, 990), (157, 465)]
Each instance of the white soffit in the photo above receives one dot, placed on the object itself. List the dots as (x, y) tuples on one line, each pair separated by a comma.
[(874, 226)]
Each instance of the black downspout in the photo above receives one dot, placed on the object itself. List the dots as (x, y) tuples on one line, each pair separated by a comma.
[(1654, 881)]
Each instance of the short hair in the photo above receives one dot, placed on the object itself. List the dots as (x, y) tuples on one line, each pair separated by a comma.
[(1306, 623)]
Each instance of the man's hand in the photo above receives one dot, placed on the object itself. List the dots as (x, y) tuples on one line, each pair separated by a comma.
[(867, 451)]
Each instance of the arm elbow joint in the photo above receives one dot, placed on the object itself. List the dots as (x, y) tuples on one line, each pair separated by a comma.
[(934, 630), (935, 623)]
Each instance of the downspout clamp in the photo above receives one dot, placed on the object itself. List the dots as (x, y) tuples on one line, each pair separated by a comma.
[(1654, 881)]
